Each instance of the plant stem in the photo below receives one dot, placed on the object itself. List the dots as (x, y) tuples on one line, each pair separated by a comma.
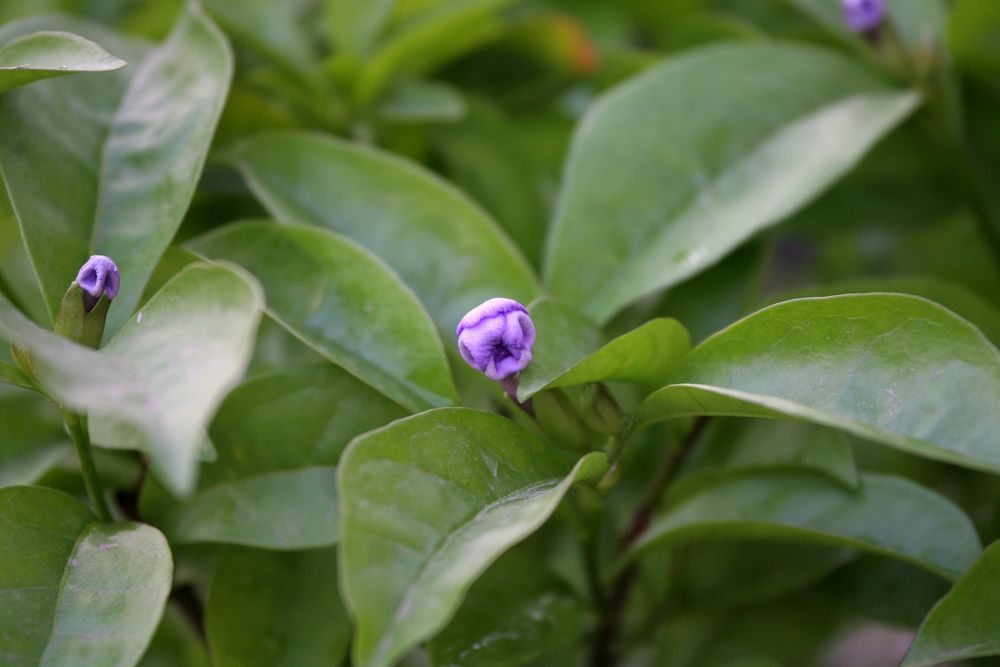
[(77, 428), (603, 649)]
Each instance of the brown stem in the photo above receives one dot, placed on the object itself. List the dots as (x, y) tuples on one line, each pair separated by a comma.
[(603, 649)]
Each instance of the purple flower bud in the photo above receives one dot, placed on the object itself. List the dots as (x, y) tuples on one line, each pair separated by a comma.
[(863, 15), (496, 337), (99, 274)]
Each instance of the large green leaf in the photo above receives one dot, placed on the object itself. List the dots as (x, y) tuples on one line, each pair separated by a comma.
[(156, 385), (966, 622), (427, 504), (74, 592), (654, 192), (887, 515), (443, 245), (120, 159), (269, 28), (278, 497), (517, 612), (892, 368), (568, 351), (46, 54), (345, 304), (272, 609)]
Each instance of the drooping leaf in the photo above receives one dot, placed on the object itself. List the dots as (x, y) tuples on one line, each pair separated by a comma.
[(966, 622), (887, 515), (517, 612), (47, 54), (427, 504), (440, 243), (120, 159), (74, 592), (345, 304), (891, 368), (274, 609), (156, 385), (654, 193), (568, 351), (278, 497)]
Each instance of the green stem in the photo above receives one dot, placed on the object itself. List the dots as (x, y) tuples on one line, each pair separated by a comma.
[(77, 428)]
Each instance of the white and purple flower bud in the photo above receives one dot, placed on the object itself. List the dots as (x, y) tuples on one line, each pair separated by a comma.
[(496, 337), (863, 16), (98, 275)]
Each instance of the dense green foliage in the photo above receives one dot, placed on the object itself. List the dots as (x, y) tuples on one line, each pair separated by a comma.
[(760, 425)]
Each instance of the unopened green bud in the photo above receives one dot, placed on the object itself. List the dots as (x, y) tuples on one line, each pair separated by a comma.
[(600, 411), (559, 420), (84, 307)]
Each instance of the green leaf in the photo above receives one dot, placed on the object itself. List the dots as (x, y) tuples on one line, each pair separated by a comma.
[(973, 31), (345, 304), (654, 193), (42, 55), (568, 351), (890, 368), (75, 592), (427, 503), (731, 446), (283, 497), (888, 515), (155, 387), (175, 644), (121, 159), (273, 609), (517, 612), (354, 25), (956, 298), (31, 437), (439, 242), (965, 623), (269, 28), (419, 101)]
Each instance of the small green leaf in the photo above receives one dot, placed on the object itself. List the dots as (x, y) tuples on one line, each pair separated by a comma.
[(439, 242), (888, 515), (121, 158), (654, 193), (966, 622), (345, 304), (175, 644), (257, 494), (155, 387), (517, 612), (42, 55), (891, 368), (568, 351), (427, 503), (274, 609), (74, 592)]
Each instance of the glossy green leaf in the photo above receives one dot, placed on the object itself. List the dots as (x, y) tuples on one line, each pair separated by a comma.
[(960, 300), (891, 368), (43, 55), (733, 446), (965, 623), (654, 193), (441, 244), (121, 159), (156, 385), (74, 592), (276, 497), (427, 504), (273, 609), (345, 304), (887, 515), (517, 612), (568, 351)]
